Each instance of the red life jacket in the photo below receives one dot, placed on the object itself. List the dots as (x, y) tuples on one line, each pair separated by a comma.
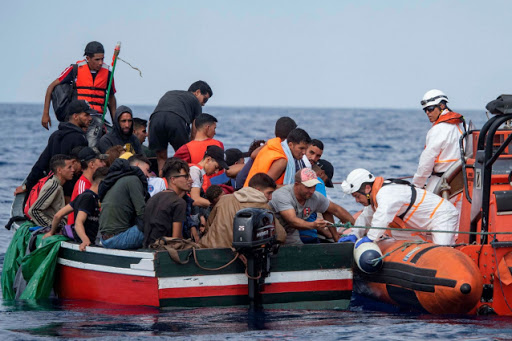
[(34, 194), (93, 91), (198, 148), (450, 117)]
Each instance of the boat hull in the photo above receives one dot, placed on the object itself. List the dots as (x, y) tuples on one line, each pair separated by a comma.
[(306, 276)]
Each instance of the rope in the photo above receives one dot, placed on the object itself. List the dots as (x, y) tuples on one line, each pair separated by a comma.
[(216, 269), (133, 67), (349, 225)]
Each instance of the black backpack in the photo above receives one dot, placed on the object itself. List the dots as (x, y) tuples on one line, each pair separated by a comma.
[(63, 94)]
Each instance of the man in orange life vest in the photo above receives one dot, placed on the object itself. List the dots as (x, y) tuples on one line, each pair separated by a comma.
[(193, 151), (442, 143), (91, 85)]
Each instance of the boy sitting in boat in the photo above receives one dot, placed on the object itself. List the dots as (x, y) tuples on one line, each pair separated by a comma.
[(400, 203), (219, 230), (213, 161), (123, 196), (51, 196), (166, 211), (295, 203), (86, 209)]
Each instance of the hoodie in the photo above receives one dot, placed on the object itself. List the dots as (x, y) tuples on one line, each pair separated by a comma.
[(116, 136), (61, 141), (220, 222), (123, 194)]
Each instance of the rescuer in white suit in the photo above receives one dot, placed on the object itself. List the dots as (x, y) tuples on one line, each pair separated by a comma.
[(397, 203), (442, 143)]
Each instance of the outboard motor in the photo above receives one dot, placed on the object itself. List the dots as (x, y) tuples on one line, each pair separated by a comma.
[(254, 236)]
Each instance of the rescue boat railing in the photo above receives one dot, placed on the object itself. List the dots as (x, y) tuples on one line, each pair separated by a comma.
[(484, 160)]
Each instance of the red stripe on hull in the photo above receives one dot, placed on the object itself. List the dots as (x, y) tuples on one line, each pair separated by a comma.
[(242, 290), (73, 283)]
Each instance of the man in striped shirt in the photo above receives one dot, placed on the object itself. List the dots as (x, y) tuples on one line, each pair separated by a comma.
[(51, 196)]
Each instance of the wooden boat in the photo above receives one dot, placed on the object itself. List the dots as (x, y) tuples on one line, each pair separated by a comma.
[(475, 276), (306, 276)]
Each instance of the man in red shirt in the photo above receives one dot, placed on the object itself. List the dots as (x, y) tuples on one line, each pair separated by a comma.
[(193, 151), (90, 161)]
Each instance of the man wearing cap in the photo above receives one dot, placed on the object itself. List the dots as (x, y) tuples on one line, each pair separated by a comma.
[(91, 77), (122, 134), (295, 203), (212, 162), (311, 236), (235, 160), (90, 162), (175, 113), (69, 135)]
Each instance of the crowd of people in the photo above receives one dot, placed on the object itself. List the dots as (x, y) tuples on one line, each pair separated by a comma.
[(110, 189)]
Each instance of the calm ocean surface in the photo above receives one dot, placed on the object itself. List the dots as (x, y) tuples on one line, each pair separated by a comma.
[(387, 142)]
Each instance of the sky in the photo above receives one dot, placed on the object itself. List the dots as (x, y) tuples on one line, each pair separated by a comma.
[(325, 54)]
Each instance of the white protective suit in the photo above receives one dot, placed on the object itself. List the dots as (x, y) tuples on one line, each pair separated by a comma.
[(441, 151), (429, 212)]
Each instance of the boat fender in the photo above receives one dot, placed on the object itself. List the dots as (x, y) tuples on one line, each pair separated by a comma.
[(366, 256)]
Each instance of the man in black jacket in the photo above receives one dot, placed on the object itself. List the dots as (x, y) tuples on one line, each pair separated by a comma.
[(122, 134), (70, 134)]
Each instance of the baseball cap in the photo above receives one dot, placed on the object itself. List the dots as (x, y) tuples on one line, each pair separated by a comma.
[(307, 177), (327, 167), (216, 153), (94, 47), (87, 154), (233, 155), (77, 106)]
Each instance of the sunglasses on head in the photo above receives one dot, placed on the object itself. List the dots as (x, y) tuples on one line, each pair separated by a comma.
[(430, 108)]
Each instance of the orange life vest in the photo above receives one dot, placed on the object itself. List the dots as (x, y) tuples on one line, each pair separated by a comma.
[(206, 180), (270, 152), (198, 148), (450, 117), (93, 91), (398, 221)]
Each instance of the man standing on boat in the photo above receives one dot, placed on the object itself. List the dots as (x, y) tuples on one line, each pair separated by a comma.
[(90, 77), (69, 135), (396, 203), (442, 143), (175, 113), (295, 203)]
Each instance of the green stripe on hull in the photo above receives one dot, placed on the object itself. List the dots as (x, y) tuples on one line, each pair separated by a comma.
[(289, 258), (98, 258), (301, 300)]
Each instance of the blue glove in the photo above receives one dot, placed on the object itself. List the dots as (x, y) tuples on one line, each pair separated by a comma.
[(365, 239), (350, 238)]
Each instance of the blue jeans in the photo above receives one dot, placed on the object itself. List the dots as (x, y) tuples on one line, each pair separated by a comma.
[(129, 239)]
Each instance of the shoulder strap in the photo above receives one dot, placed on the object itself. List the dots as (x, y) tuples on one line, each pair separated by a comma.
[(413, 199), (74, 73)]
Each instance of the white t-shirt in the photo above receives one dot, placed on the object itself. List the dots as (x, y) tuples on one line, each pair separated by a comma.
[(197, 176), (156, 185)]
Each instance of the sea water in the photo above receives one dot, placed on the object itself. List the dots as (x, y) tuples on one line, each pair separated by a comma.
[(387, 142)]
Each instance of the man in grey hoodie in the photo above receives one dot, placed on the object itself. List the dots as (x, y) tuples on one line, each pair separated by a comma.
[(122, 134)]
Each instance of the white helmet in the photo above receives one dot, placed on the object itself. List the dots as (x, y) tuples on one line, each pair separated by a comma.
[(355, 179), (433, 97)]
